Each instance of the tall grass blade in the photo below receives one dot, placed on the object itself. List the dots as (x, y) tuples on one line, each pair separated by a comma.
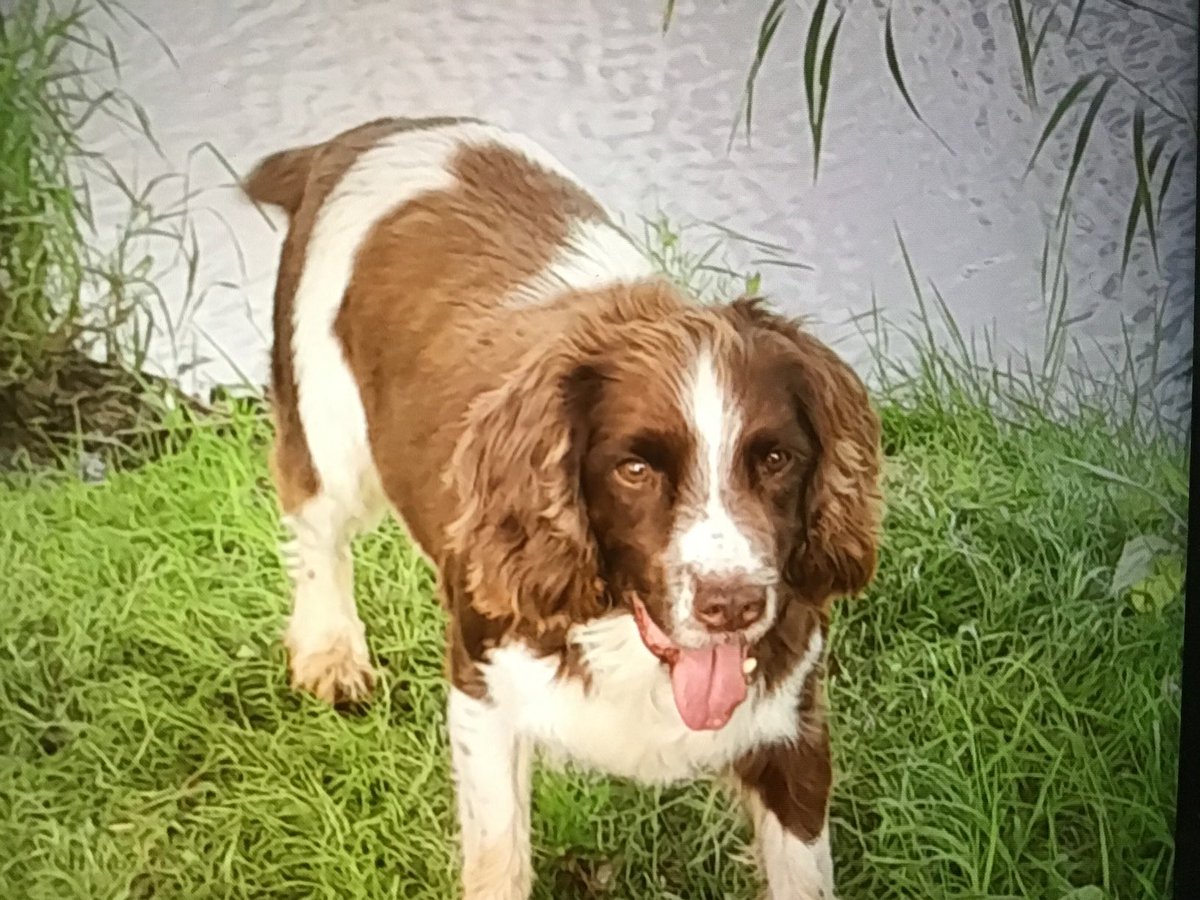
[(143, 120), (114, 61), (668, 14), (1155, 154), (826, 76), (1054, 331), (1045, 262), (766, 33), (1054, 346), (811, 49), (967, 359), (1041, 38), (1141, 198), (110, 7), (893, 62), (1075, 18), (930, 361), (1166, 181), (1143, 176), (1131, 224), (1021, 27), (1081, 140), (1060, 109)]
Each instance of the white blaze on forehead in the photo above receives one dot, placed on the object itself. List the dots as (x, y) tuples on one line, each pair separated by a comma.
[(711, 539)]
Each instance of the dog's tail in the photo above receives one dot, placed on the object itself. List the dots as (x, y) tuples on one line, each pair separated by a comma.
[(280, 179)]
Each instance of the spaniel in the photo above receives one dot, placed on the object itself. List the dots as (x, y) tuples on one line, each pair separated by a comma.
[(638, 506)]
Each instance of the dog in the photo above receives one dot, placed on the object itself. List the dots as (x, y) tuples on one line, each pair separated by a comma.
[(639, 506)]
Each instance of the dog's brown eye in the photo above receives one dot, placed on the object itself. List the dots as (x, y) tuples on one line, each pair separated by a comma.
[(634, 472), (775, 461)]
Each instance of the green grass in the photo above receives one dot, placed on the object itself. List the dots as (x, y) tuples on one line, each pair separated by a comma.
[(80, 300), (1004, 725), (40, 215), (56, 74)]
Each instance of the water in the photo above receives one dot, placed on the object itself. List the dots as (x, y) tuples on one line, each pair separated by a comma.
[(645, 121)]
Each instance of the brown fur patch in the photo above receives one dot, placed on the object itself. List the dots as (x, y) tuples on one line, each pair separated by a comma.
[(299, 180), (427, 337), (529, 565), (837, 555), (794, 781)]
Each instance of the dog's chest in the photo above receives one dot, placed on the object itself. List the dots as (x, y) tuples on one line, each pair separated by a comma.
[(625, 722)]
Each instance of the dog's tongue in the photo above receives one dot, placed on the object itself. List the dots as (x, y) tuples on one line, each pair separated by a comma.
[(708, 685)]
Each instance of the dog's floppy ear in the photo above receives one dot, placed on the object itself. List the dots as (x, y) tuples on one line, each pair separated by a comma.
[(522, 539), (836, 554)]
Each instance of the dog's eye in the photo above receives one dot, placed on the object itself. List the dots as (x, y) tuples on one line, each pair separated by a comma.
[(634, 472), (775, 461)]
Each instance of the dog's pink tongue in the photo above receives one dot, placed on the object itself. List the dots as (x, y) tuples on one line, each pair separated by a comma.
[(708, 685)]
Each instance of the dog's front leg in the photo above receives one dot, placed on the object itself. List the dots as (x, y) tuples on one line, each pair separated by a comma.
[(787, 791), (491, 774), (796, 867)]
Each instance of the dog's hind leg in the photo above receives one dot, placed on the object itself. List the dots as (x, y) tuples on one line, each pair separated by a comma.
[(325, 637)]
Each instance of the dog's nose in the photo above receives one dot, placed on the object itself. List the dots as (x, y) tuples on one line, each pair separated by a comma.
[(728, 603)]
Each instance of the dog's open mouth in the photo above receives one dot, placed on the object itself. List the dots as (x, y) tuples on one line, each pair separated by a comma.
[(708, 682)]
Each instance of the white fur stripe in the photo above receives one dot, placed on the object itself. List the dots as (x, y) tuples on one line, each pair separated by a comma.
[(709, 541), (714, 541), (595, 255)]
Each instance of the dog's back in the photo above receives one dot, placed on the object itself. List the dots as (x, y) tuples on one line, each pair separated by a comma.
[(424, 257)]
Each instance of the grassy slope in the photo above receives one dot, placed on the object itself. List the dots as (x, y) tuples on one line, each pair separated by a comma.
[(1003, 727)]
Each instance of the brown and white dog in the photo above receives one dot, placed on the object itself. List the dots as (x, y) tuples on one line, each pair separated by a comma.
[(638, 506)]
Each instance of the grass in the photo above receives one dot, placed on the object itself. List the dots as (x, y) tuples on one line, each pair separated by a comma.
[(41, 256), (55, 75), (1005, 723), (74, 314)]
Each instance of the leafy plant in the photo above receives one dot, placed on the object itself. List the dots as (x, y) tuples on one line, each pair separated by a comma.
[(1145, 163), (1149, 573), (893, 62), (818, 70), (77, 319), (1029, 50), (1081, 139), (1031, 40), (818, 74), (766, 33), (41, 258)]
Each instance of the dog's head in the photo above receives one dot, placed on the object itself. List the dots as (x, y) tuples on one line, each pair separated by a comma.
[(703, 470)]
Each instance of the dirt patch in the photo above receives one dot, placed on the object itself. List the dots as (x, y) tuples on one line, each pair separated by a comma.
[(77, 413)]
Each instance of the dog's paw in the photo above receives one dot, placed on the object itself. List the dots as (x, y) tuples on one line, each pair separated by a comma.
[(338, 672), (510, 891), (500, 873)]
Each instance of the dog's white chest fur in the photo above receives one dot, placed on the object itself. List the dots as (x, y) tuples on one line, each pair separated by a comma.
[(625, 722)]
